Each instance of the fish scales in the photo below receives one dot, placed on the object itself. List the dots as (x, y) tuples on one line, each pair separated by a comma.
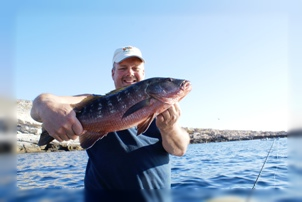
[(130, 99), (135, 105), (112, 109)]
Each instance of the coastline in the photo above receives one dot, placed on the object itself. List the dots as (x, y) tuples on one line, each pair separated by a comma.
[(28, 133)]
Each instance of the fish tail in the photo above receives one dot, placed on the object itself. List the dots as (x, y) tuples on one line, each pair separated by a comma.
[(45, 138)]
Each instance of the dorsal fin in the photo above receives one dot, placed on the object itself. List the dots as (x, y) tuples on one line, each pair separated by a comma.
[(85, 101), (115, 91)]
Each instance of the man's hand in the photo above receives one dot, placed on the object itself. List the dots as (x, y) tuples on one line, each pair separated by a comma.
[(166, 120), (58, 117), (175, 138), (61, 123)]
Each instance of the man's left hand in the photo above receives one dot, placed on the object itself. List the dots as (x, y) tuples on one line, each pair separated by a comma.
[(168, 118)]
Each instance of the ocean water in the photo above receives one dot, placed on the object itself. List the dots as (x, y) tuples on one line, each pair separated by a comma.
[(245, 170)]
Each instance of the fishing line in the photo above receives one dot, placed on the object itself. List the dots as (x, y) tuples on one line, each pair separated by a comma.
[(276, 167), (261, 170)]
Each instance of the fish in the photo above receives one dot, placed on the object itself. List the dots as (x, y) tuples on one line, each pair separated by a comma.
[(136, 105)]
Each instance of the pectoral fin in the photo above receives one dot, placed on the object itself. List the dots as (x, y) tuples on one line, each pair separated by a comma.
[(143, 126), (88, 139), (136, 107)]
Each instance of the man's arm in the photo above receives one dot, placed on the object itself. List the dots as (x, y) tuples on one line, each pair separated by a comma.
[(57, 115), (175, 138)]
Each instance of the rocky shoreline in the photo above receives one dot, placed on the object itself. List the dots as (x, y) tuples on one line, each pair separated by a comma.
[(28, 132)]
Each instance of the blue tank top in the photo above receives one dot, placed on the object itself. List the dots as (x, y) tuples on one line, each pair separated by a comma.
[(124, 161)]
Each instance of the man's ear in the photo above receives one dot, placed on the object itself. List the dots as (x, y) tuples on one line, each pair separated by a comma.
[(144, 73), (113, 70)]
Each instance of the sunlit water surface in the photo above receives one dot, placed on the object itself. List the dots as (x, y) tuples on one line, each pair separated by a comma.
[(206, 171)]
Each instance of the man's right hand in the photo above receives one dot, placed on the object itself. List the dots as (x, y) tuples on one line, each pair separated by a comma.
[(58, 117)]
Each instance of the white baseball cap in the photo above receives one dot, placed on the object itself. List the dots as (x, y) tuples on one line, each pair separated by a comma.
[(121, 54)]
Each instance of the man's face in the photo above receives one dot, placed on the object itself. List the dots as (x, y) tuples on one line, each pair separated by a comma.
[(127, 72)]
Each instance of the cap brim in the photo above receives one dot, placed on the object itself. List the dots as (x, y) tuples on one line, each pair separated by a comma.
[(118, 60)]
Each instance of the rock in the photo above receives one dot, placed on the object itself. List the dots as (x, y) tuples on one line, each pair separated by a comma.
[(26, 147), (74, 147), (199, 135), (28, 133)]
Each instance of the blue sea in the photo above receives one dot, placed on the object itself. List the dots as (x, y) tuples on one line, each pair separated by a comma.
[(253, 170)]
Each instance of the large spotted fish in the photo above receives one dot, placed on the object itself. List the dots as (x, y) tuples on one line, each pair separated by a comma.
[(135, 105)]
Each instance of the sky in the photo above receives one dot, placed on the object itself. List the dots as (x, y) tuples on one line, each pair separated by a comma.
[(242, 57)]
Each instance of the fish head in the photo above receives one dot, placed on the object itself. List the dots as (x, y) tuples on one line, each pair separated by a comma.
[(168, 90)]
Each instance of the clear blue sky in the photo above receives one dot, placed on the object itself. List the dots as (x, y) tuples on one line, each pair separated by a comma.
[(237, 54)]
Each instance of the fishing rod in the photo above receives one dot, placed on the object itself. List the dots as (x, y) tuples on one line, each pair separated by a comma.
[(260, 171)]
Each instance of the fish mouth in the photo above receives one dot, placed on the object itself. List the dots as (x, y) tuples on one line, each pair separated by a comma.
[(186, 85), (185, 88)]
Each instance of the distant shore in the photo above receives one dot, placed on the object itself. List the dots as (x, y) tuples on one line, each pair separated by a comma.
[(28, 133)]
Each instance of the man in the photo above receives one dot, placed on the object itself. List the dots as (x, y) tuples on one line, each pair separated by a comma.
[(121, 160)]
